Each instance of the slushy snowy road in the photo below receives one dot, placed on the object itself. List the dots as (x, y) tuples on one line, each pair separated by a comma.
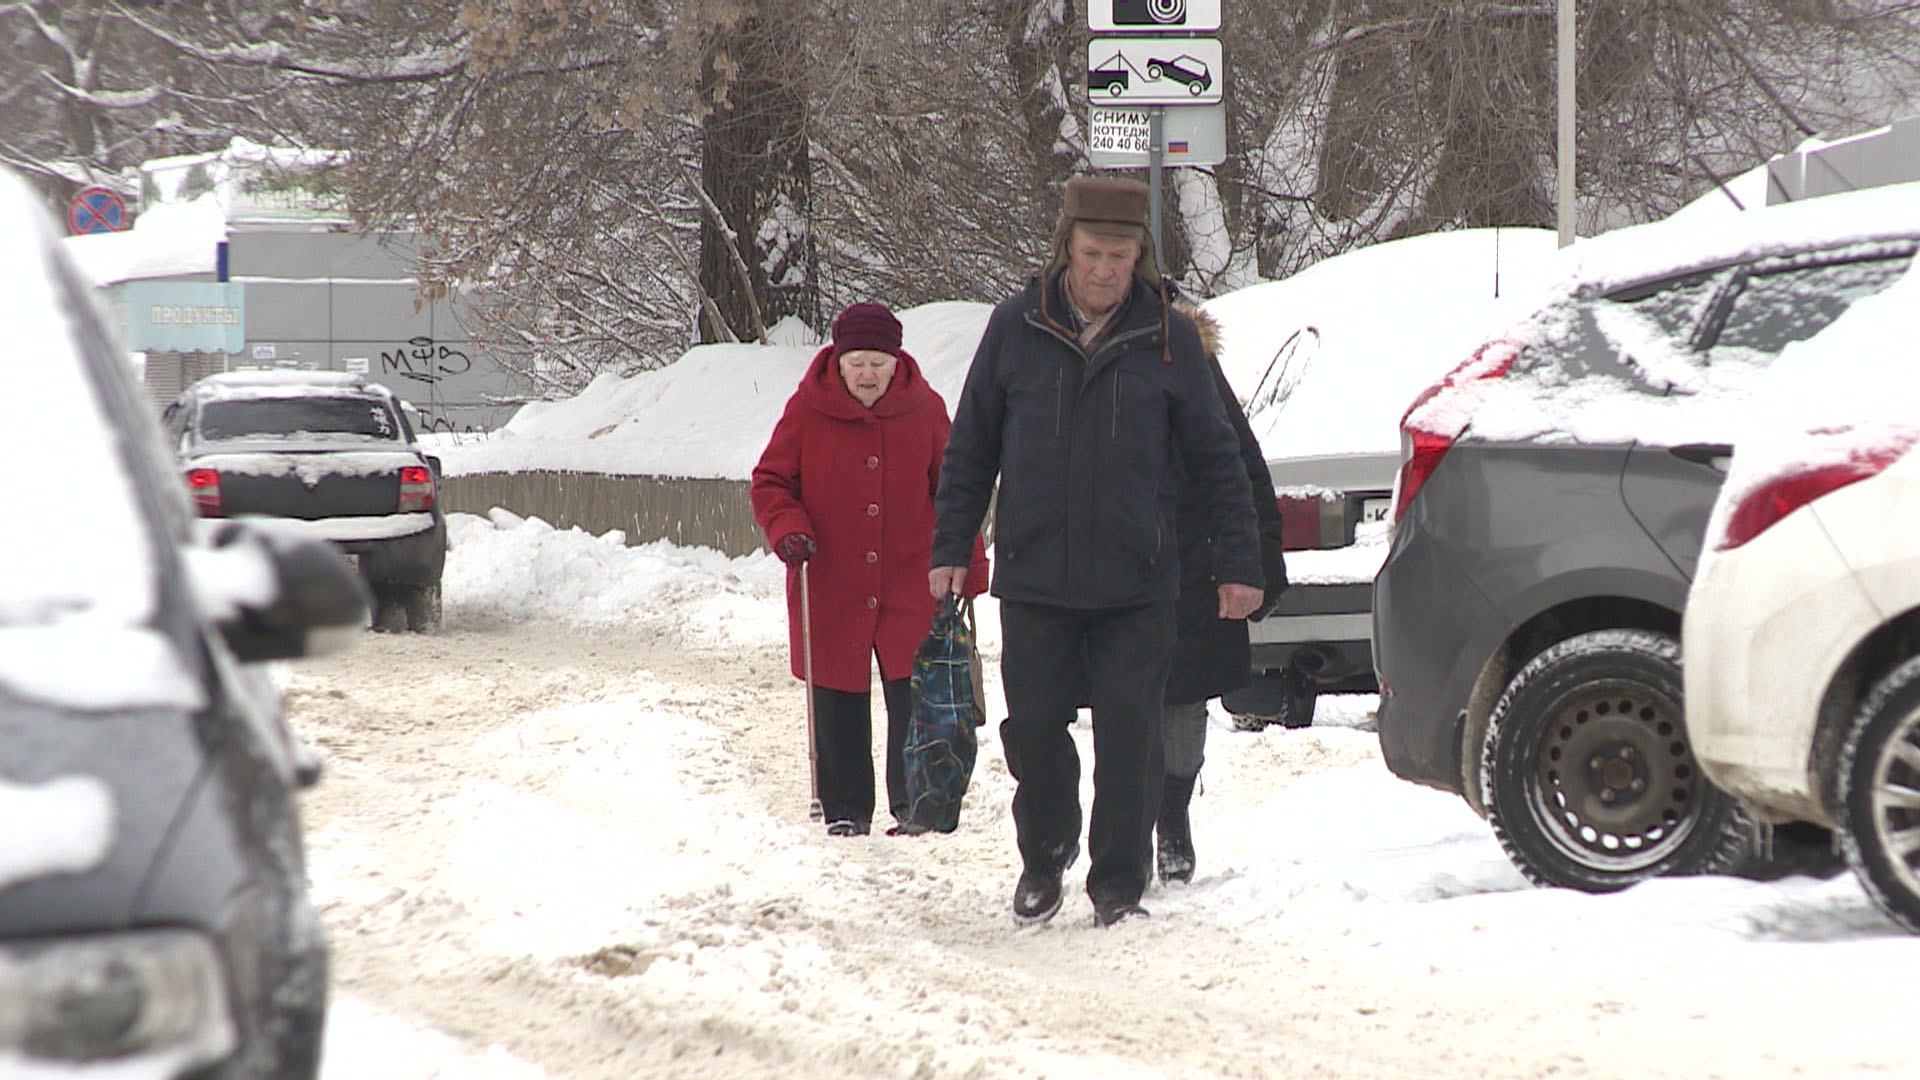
[(585, 853)]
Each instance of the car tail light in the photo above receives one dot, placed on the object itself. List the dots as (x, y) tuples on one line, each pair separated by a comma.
[(1438, 416), (1758, 510), (416, 488), (1300, 521), (205, 486), (1316, 520)]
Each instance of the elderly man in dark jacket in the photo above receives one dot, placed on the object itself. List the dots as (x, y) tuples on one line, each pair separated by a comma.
[(1085, 388)]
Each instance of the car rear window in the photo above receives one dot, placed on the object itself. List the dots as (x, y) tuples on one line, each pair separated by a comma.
[(1773, 310), (255, 417)]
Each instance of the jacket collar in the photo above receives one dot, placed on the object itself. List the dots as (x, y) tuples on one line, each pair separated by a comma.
[(1049, 309)]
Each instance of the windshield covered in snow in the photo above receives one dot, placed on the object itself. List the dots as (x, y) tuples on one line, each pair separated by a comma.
[(265, 417), (86, 555)]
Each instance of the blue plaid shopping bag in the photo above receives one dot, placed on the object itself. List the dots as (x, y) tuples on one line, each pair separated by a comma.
[(948, 709)]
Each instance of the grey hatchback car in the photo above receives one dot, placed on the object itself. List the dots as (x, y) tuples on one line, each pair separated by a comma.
[(1548, 514)]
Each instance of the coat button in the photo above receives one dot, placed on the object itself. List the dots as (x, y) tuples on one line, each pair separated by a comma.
[(873, 557), (872, 602), (873, 462), (873, 509)]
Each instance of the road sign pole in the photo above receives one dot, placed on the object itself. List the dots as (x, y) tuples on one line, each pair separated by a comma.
[(1156, 124)]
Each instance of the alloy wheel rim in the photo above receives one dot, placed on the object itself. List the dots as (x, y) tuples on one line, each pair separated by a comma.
[(1894, 801)]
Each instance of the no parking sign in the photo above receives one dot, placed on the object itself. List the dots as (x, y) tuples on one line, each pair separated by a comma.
[(96, 210)]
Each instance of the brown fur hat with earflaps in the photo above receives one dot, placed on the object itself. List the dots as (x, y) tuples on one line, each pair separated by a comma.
[(1110, 206)]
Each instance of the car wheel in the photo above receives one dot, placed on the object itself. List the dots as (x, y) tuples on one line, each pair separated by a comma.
[(300, 1029), (1244, 721), (1196, 89), (1153, 71), (1589, 780), (422, 603), (389, 613), (1286, 699), (1297, 697), (1879, 794), (1115, 89)]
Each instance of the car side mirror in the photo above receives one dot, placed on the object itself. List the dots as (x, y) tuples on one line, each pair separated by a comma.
[(276, 591)]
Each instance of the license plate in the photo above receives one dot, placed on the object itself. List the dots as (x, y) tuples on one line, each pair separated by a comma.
[(1375, 509)]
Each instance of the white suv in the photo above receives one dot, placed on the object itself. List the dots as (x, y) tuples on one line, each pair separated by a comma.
[(1802, 630)]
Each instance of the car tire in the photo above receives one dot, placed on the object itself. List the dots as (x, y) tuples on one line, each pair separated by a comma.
[(1879, 794), (422, 603), (1153, 72), (1243, 721), (1291, 707), (1589, 780), (1297, 697), (300, 1029), (389, 612)]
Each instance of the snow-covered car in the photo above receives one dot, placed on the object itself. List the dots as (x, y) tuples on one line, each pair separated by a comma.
[(154, 917), (334, 453), (1324, 363), (1802, 629), (1553, 494)]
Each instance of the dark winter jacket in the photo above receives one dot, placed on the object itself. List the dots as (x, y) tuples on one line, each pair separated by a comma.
[(1083, 447), (1212, 656), (859, 481)]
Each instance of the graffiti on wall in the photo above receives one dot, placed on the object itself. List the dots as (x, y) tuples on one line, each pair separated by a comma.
[(427, 363), (428, 421), (424, 360)]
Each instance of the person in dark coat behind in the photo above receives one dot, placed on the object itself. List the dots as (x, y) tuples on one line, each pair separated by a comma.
[(1211, 655), (845, 486)]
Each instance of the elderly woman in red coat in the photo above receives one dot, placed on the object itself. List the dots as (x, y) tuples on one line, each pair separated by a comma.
[(846, 486)]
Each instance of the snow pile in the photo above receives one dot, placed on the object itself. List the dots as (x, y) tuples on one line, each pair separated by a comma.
[(516, 569), (707, 415), (1326, 361)]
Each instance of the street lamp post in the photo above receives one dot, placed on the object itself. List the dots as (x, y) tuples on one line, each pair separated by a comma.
[(1565, 90)]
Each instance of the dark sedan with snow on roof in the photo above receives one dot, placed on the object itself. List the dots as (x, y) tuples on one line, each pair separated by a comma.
[(334, 453)]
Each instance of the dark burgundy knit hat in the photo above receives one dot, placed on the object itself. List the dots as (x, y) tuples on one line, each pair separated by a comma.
[(866, 326)]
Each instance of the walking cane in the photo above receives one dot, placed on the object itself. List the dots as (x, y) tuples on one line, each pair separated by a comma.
[(806, 654)]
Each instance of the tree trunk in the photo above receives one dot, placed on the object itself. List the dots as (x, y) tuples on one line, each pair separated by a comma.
[(757, 258)]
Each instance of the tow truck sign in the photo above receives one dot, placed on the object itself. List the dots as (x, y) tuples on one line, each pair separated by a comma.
[(1154, 71)]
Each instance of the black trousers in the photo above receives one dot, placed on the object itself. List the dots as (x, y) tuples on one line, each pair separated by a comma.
[(1118, 658), (843, 743)]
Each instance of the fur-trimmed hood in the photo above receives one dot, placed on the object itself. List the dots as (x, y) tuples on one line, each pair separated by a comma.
[(1203, 321)]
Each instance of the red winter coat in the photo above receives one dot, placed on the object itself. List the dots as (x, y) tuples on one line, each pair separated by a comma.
[(859, 481)]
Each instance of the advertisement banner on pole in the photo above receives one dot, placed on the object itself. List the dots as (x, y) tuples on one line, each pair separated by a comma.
[(1119, 138)]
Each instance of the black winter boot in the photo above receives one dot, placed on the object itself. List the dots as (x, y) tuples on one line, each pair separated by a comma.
[(1174, 839)]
